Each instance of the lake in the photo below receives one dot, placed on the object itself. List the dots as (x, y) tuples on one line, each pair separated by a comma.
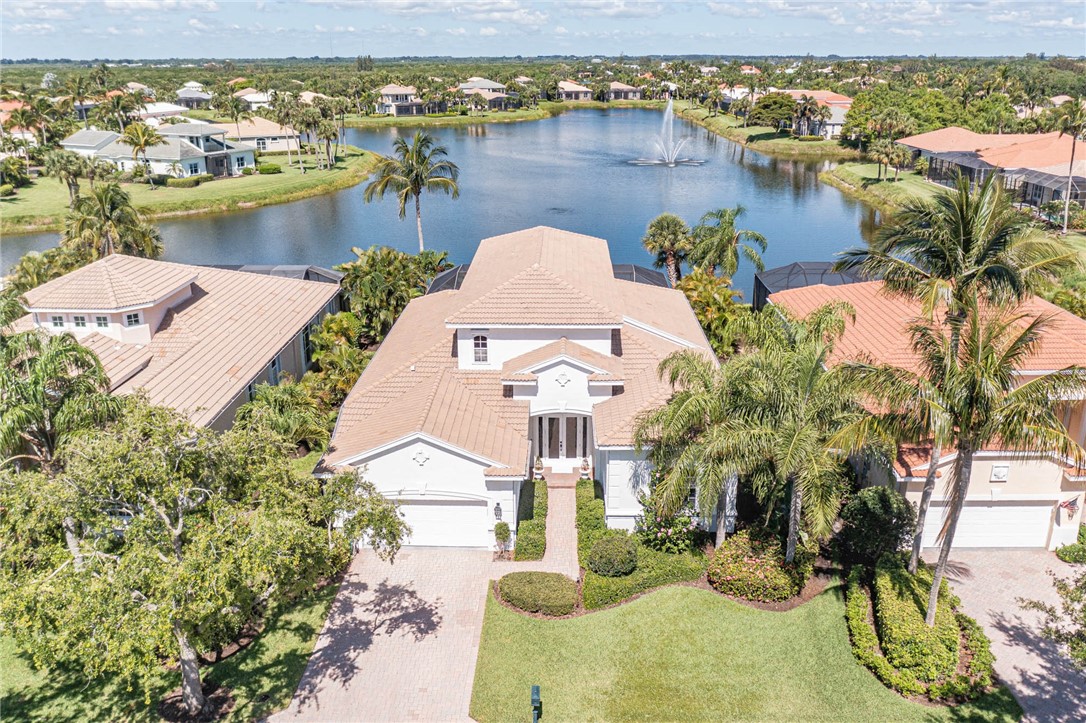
[(571, 171)]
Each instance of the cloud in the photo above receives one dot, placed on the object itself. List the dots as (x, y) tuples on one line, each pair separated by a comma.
[(830, 13), (488, 31), (128, 6), (906, 32), (491, 11), (1067, 23), (199, 25), (614, 8), (38, 11), (735, 10), (456, 31), (32, 28)]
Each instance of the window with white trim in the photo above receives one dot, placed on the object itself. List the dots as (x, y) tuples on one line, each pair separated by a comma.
[(102, 322), (132, 319), (262, 144), (194, 169), (80, 321), (479, 343), (239, 162), (57, 321)]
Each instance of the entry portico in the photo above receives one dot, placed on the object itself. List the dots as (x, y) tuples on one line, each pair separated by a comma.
[(539, 349)]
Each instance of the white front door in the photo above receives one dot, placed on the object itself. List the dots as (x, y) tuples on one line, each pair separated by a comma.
[(562, 440)]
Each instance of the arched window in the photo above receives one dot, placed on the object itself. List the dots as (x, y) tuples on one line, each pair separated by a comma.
[(479, 344)]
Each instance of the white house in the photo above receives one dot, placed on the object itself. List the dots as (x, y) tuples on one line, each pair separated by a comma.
[(191, 149), (538, 348), (161, 110), (477, 83), (568, 90), (621, 91), (399, 100)]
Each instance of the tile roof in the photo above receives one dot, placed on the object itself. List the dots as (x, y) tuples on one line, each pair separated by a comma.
[(954, 138), (880, 333), (254, 127), (561, 348), (570, 86), (535, 297), (616, 85), (113, 283), (394, 89), (1040, 152)]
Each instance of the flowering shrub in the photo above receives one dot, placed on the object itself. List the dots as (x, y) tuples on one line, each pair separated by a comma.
[(673, 534), (752, 567)]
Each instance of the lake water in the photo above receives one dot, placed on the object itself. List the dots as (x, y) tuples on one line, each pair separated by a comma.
[(571, 171)]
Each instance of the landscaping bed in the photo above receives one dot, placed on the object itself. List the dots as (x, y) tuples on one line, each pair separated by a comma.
[(531, 542)]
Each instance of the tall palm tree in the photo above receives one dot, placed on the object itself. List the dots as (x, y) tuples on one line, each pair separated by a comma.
[(104, 222), (79, 90), (668, 239), (235, 109), (118, 108), (67, 167), (717, 242), (140, 137), (1071, 120), (416, 167), (22, 118), (767, 415)]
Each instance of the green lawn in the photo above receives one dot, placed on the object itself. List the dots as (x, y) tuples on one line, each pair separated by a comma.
[(862, 180), (263, 677), (684, 653), (42, 205)]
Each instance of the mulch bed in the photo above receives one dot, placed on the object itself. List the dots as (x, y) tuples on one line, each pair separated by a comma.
[(220, 701)]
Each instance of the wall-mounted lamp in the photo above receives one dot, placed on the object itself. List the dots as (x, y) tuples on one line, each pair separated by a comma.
[(498, 511)]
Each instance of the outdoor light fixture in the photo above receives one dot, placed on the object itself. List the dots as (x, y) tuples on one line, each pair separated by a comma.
[(498, 511)]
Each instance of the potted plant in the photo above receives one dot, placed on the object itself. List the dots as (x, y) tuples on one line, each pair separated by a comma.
[(501, 537), (539, 468), (586, 468)]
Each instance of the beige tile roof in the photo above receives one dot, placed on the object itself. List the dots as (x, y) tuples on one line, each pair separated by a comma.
[(954, 138), (113, 283), (120, 360), (571, 87), (254, 127), (540, 276), (880, 333)]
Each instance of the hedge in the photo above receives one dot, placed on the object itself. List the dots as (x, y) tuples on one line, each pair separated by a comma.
[(188, 181), (532, 521), (752, 567), (613, 554), (1074, 554), (7, 190), (865, 643), (591, 520), (549, 593), (268, 169), (654, 569), (909, 644)]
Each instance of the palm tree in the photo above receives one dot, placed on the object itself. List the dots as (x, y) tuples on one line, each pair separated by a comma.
[(105, 222), (767, 415), (881, 151), (23, 118), (235, 109), (79, 89), (67, 167), (420, 166), (116, 108), (805, 110), (668, 238), (717, 242), (1071, 121), (140, 137), (328, 131), (286, 409)]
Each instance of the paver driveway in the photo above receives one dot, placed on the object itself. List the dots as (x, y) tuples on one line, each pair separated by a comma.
[(989, 582)]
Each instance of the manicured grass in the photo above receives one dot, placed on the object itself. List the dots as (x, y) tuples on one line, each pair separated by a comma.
[(862, 180), (263, 677), (305, 465), (684, 653), (545, 109), (764, 139), (42, 205)]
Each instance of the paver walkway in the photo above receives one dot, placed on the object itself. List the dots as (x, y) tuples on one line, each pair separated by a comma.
[(401, 640), (989, 582)]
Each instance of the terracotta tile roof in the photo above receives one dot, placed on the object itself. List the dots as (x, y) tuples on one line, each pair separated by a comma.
[(1039, 153), (535, 297), (824, 97), (561, 348), (665, 310), (880, 333), (115, 282), (954, 138)]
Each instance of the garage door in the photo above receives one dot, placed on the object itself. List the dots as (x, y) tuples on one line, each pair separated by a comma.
[(447, 523), (994, 524)]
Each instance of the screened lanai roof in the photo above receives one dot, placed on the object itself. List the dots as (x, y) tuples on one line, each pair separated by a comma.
[(798, 275), (1046, 180), (966, 159), (449, 280), (639, 274)]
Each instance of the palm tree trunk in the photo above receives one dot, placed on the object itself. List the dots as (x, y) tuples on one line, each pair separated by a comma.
[(795, 517), (192, 693), (963, 471), (922, 512), (418, 221), (672, 269), (1070, 173)]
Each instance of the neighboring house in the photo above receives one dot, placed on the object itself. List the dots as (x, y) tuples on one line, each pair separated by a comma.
[(192, 98), (1014, 500), (256, 100), (193, 338), (192, 85), (837, 103), (524, 80), (399, 100), (308, 96), (161, 110), (477, 83), (568, 90), (262, 134), (708, 69), (621, 91), (798, 275), (749, 70), (140, 88), (495, 100), (538, 348), (194, 148)]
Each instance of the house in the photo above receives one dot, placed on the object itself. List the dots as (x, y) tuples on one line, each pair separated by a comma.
[(838, 105), (160, 110), (254, 99), (495, 100), (399, 100), (262, 134), (191, 98), (568, 90), (539, 348), (621, 91), (708, 69), (749, 70), (140, 89), (191, 149), (308, 97), (193, 338), (477, 83), (192, 85), (524, 80), (1014, 500)]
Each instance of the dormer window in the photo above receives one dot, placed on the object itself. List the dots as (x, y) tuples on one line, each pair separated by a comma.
[(132, 319), (57, 321), (80, 322), (479, 344), (102, 322)]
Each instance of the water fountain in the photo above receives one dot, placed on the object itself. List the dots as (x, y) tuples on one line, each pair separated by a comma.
[(667, 146)]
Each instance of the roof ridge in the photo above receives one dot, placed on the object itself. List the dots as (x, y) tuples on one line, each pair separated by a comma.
[(427, 405), (535, 268)]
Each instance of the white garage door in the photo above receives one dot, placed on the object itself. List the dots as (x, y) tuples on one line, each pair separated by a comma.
[(447, 523), (993, 524)]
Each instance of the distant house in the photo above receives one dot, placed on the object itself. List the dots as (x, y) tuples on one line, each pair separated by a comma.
[(262, 134), (185, 335), (621, 91), (837, 103), (708, 69), (495, 100), (524, 80), (191, 149), (191, 98), (140, 89), (161, 110), (193, 85), (399, 100), (254, 99), (308, 96), (749, 70), (570, 91), (477, 83)]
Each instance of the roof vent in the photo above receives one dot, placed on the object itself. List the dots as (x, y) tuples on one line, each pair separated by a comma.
[(412, 367)]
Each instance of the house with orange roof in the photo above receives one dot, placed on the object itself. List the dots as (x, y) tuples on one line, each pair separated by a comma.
[(1015, 499), (837, 103), (538, 350), (749, 70), (194, 338)]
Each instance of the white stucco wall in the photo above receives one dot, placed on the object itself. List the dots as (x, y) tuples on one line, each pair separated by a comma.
[(506, 344), (561, 386), (623, 473)]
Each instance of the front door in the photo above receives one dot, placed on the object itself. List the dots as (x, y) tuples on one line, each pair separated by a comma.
[(562, 440)]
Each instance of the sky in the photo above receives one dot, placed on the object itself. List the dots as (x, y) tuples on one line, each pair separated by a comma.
[(155, 29)]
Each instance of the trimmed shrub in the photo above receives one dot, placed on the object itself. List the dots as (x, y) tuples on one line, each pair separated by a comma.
[(502, 535), (877, 520), (247, 171), (268, 169), (613, 554), (532, 527), (666, 533), (549, 593), (653, 570), (865, 643), (921, 166), (187, 182), (752, 567), (1074, 554), (591, 521), (7, 190), (901, 599), (809, 139)]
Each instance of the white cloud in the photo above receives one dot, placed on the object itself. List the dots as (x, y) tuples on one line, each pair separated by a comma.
[(560, 30), (128, 6), (39, 11), (735, 10), (488, 31), (32, 28), (418, 32), (906, 32), (456, 31), (614, 8), (490, 11), (199, 25), (830, 13)]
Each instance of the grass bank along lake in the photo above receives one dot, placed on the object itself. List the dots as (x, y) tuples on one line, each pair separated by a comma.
[(571, 171)]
